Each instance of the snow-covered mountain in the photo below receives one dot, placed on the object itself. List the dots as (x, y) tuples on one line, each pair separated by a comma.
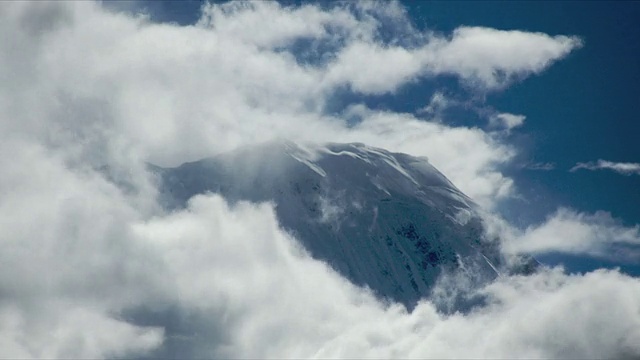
[(385, 220)]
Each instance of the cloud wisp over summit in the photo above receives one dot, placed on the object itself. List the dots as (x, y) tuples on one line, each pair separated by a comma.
[(93, 267)]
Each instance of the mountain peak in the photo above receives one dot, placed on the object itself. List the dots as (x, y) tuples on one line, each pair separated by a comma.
[(385, 220)]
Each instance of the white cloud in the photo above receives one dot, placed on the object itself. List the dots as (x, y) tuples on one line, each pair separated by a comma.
[(374, 69), (315, 313), (492, 58), (568, 231), (506, 121), (68, 264), (468, 156), (312, 312), (437, 104), (132, 89), (242, 289), (621, 168), (483, 58)]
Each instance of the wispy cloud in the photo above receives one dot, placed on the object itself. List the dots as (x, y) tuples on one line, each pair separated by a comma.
[(483, 58), (506, 121), (568, 231), (438, 103), (542, 166), (619, 167)]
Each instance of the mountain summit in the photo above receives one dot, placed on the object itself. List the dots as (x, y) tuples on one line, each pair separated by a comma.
[(385, 220)]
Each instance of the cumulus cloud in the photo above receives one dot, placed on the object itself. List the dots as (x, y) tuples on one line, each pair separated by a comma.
[(67, 261), (298, 307), (567, 231), (227, 282), (92, 267), (134, 89), (621, 168)]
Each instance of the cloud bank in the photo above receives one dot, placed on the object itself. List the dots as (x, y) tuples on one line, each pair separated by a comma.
[(92, 267), (230, 80), (220, 281), (620, 168)]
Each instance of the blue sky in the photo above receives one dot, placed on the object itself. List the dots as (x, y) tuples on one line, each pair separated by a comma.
[(581, 109)]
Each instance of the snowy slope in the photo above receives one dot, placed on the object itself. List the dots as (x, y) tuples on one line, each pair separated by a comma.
[(385, 220)]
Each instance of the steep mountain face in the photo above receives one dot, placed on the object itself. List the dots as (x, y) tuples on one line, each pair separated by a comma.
[(385, 220)]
